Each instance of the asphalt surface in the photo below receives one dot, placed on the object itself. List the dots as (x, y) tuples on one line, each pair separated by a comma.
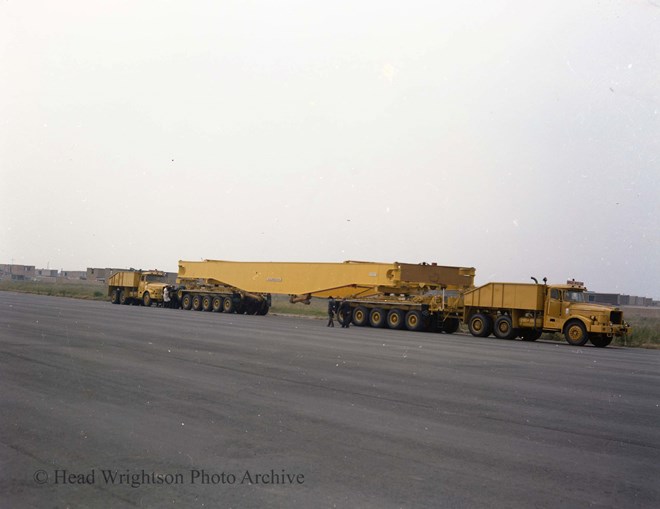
[(199, 409)]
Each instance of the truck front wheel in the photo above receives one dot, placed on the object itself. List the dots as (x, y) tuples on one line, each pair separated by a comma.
[(575, 333), (146, 299), (480, 325)]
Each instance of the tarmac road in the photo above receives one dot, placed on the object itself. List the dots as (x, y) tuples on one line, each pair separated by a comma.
[(199, 409)]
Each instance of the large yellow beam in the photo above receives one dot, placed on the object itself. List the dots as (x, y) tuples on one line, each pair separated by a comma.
[(347, 279)]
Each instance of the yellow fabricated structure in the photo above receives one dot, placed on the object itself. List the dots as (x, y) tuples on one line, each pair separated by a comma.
[(527, 310), (349, 279)]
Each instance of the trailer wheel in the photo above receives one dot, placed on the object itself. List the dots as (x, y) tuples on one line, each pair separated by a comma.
[(228, 305), (377, 318), (186, 301), (451, 325), (414, 321), (217, 304), (600, 341), (207, 303), (263, 308), (115, 296), (504, 328), (575, 333), (146, 299), (531, 334), (396, 319), (361, 316), (197, 302), (480, 325)]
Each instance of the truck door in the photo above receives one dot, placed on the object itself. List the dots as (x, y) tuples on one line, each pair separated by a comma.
[(553, 309)]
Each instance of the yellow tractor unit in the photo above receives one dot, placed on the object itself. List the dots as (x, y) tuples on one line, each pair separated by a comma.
[(394, 295), (526, 310), (137, 287)]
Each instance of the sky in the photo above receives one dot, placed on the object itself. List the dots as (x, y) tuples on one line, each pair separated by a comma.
[(520, 138)]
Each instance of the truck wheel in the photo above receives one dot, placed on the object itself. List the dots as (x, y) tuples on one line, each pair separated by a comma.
[(146, 299), (600, 341), (377, 318), (504, 328), (123, 299), (575, 333), (361, 316), (396, 319), (217, 304), (531, 334), (115, 296), (186, 301), (207, 303), (228, 305), (263, 308), (413, 320), (480, 325), (197, 302), (451, 325)]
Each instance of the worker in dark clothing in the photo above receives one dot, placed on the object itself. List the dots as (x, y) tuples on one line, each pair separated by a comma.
[(332, 309), (345, 310)]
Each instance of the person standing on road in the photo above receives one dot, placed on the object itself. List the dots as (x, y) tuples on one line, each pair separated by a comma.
[(332, 309), (345, 310), (166, 297)]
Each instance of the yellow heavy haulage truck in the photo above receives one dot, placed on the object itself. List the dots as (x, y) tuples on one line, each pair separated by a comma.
[(394, 295), (526, 310), (137, 287)]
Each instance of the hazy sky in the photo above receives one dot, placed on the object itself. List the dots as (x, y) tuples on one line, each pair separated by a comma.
[(521, 138)]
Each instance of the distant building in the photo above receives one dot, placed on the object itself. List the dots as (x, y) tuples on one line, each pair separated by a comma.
[(47, 273), (616, 299), (74, 274), (17, 272)]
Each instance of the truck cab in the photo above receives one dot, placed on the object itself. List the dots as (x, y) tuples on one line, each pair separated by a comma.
[(567, 311)]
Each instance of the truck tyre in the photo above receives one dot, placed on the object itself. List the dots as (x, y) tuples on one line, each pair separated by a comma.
[(146, 299), (451, 325), (207, 303), (504, 328), (228, 305), (414, 320), (123, 299), (575, 333), (197, 302), (263, 308), (531, 334), (217, 304), (396, 319), (600, 341), (115, 296), (377, 318), (186, 301), (480, 325), (361, 316)]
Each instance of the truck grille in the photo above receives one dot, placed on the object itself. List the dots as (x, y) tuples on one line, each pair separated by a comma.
[(616, 317)]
